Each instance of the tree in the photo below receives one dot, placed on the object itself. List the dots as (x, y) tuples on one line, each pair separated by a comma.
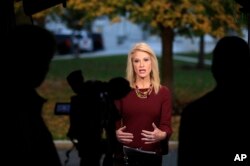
[(164, 15), (222, 17), (245, 10), (74, 16), (213, 16), (167, 16), (35, 12)]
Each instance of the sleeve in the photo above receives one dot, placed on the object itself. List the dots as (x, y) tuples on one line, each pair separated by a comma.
[(166, 112), (165, 119), (118, 104)]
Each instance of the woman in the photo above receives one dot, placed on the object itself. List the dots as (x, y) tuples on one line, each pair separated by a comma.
[(145, 125)]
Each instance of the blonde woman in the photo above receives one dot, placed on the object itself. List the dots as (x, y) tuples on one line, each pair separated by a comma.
[(145, 125)]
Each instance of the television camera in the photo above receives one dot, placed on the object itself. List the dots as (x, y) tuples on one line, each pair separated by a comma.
[(93, 114)]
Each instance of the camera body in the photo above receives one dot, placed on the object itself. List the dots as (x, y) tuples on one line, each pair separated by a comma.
[(93, 113), (95, 90), (114, 89)]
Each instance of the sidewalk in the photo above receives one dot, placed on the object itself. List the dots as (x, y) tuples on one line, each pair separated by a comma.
[(98, 54), (124, 49), (63, 146)]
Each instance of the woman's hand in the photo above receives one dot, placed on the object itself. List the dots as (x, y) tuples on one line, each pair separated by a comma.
[(153, 136), (124, 137)]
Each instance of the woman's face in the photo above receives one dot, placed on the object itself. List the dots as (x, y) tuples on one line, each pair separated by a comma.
[(142, 64)]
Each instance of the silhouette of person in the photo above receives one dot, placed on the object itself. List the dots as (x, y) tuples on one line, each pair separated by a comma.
[(93, 116), (85, 118), (214, 129), (29, 141)]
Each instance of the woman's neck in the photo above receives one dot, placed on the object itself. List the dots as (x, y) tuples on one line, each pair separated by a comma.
[(142, 83)]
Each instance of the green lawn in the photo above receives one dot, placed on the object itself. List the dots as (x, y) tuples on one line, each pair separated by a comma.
[(189, 84), (194, 55)]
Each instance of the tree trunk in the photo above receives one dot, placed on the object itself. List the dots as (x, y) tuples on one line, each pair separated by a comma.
[(201, 55), (167, 70), (167, 36)]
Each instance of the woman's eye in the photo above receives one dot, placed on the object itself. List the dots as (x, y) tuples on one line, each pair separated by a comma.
[(136, 61), (146, 59)]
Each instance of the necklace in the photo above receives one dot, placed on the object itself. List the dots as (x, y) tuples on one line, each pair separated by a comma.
[(143, 93)]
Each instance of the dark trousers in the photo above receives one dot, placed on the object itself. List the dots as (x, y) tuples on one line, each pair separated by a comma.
[(136, 158)]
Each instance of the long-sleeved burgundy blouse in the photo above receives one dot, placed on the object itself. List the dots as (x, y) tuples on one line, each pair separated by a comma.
[(139, 113)]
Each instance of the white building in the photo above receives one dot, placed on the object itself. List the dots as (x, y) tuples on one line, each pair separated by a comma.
[(126, 33), (123, 34)]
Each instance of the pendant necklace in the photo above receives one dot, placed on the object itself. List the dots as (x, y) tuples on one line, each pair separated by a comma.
[(143, 93)]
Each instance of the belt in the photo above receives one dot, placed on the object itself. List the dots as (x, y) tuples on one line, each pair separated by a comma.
[(127, 149)]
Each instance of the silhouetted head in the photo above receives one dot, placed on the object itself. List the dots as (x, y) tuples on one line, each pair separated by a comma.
[(31, 49), (118, 87), (231, 61), (75, 80)]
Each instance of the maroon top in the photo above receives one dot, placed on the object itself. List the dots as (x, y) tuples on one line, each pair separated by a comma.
[(139, 113)]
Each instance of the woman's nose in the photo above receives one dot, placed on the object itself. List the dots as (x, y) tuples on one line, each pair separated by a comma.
[(141, 64)]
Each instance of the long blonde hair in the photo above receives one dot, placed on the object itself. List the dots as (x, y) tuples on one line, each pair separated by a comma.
[(154, 75)]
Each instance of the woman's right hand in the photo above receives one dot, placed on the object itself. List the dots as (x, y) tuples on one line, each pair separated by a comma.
[(124, 137)]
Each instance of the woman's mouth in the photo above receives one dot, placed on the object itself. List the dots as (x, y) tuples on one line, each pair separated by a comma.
[(142, 71)]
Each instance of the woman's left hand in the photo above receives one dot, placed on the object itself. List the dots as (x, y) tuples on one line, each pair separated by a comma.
[(153, 136)]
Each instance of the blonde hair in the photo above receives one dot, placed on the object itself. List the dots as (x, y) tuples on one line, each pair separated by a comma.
[(154, 75)]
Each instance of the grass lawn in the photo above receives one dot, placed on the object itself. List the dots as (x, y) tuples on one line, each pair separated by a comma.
[(189, 84)]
